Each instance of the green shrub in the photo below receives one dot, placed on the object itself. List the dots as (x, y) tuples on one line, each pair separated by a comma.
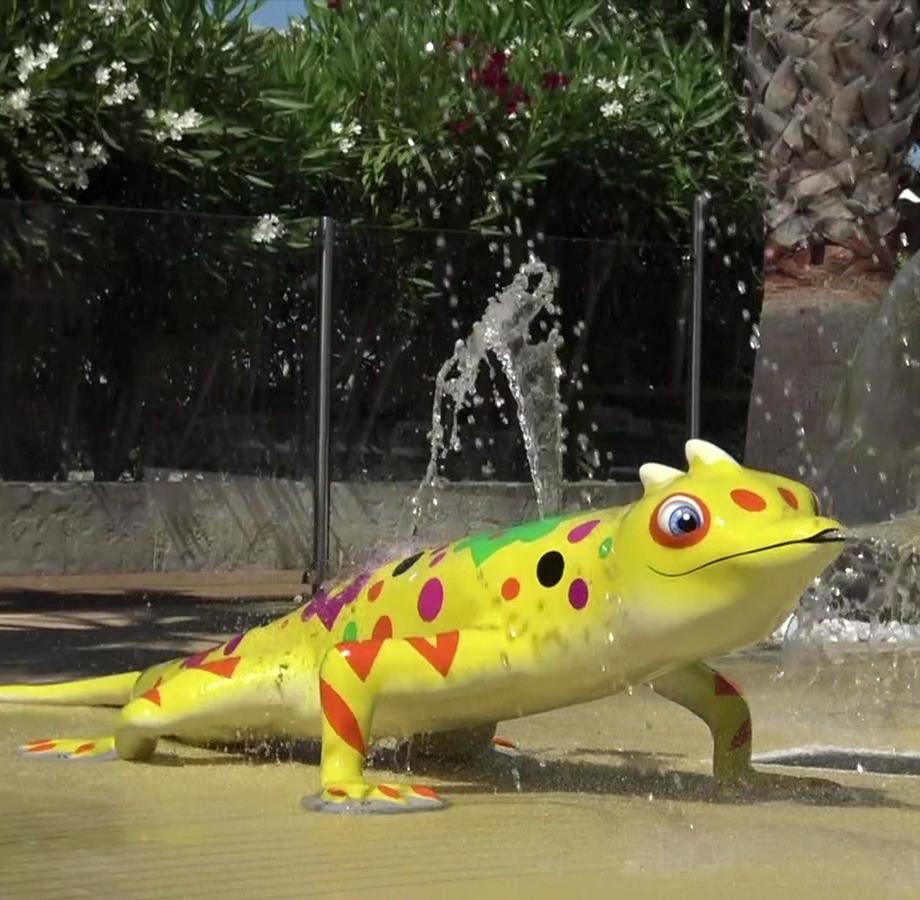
[(545, 115)]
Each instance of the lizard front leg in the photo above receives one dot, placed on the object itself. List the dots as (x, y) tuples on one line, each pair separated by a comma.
[(355, 676), (720, 704)]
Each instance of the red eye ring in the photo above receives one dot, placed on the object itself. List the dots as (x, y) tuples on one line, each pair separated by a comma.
[(672, 515)]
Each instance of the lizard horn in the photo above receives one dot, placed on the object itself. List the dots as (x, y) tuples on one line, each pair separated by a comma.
[(705, 453), (655, 475)]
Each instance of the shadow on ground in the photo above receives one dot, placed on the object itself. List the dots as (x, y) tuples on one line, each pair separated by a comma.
[(48, 636)]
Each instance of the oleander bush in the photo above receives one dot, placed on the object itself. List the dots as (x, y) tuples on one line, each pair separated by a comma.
[(520, 118)]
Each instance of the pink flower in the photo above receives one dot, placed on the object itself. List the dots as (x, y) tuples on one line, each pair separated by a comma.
[(464, 124), (334, 4), (554, 80)]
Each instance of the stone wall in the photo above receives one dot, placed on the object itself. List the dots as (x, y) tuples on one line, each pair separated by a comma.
[(210, 523), (807, 336)]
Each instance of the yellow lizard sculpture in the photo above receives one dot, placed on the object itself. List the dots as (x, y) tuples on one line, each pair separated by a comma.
[(495, 626)]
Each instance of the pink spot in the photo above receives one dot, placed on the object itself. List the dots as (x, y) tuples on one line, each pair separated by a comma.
[(580, 532), (232, 644), (438, 559), (578, 593), (431, 599)]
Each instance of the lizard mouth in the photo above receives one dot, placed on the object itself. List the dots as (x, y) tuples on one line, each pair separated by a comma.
[(827, 536)]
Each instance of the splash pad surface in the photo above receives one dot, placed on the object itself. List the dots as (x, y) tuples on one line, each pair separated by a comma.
[(612, 797)]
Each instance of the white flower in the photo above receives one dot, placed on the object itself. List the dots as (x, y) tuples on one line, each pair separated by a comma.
[(173, 125), (429, 47), (127, 90), (611, 109), (30, 62), (110, 10), (19, 99), (70, 168), (86, 45), (103, 76), (347, 134), (15, 105), (622, 81), (119, 67), (268, 229)]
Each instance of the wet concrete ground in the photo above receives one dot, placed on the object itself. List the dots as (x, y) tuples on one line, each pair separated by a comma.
[(611, 799)]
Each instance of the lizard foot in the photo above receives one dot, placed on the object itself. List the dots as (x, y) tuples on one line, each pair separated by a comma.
[(71, 749), (360, 798)]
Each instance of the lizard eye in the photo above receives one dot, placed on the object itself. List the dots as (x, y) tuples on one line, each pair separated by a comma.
[(679, 521)]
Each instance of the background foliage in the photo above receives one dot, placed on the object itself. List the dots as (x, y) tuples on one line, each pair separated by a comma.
[(526, 118)]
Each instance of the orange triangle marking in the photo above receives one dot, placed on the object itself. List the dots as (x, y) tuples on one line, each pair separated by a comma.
[(361, 656), (223, 667), (441, 653), (153, 695)]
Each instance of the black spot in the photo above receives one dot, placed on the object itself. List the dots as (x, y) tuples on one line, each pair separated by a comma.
[(550, 568), (407, 564)]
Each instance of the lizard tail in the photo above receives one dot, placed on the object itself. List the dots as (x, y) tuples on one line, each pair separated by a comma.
[(109, 690)]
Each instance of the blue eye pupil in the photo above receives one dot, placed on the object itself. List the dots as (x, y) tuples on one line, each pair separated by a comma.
[(683, 520)]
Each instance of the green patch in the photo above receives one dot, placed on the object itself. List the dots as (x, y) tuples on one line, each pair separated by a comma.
[(604, 550), (484, 545), (351, 632)]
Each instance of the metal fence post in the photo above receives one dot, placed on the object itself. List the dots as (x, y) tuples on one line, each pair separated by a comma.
[(696, 315), (321, 484)]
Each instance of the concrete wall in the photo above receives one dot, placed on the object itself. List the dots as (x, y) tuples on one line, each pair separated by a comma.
[(807, 336), (210, 523)]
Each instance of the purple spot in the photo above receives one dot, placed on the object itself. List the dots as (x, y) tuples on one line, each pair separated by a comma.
[(578, 593), (195, 660), (580, 532), (431, 599), (232, 644), (327, 607)]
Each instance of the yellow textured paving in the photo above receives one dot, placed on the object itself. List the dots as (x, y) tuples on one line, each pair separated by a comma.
[(614, 801)]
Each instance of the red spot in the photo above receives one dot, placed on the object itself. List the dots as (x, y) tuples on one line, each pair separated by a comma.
[(84, 748), (424, 791), (789, 497), (440, 654), (360, 655), (504, 742), (511, 588), (383, 629), (724, 688), (337, 792), (374, 591), (388, 791), (40, 741), (742, 736), (41, 746), (748, 500), (339, 715), (223, 667)]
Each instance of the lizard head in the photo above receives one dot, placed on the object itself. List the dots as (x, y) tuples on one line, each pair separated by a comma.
[(722, 551)]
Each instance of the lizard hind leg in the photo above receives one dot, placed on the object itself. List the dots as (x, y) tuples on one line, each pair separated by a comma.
[(99, 749)]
